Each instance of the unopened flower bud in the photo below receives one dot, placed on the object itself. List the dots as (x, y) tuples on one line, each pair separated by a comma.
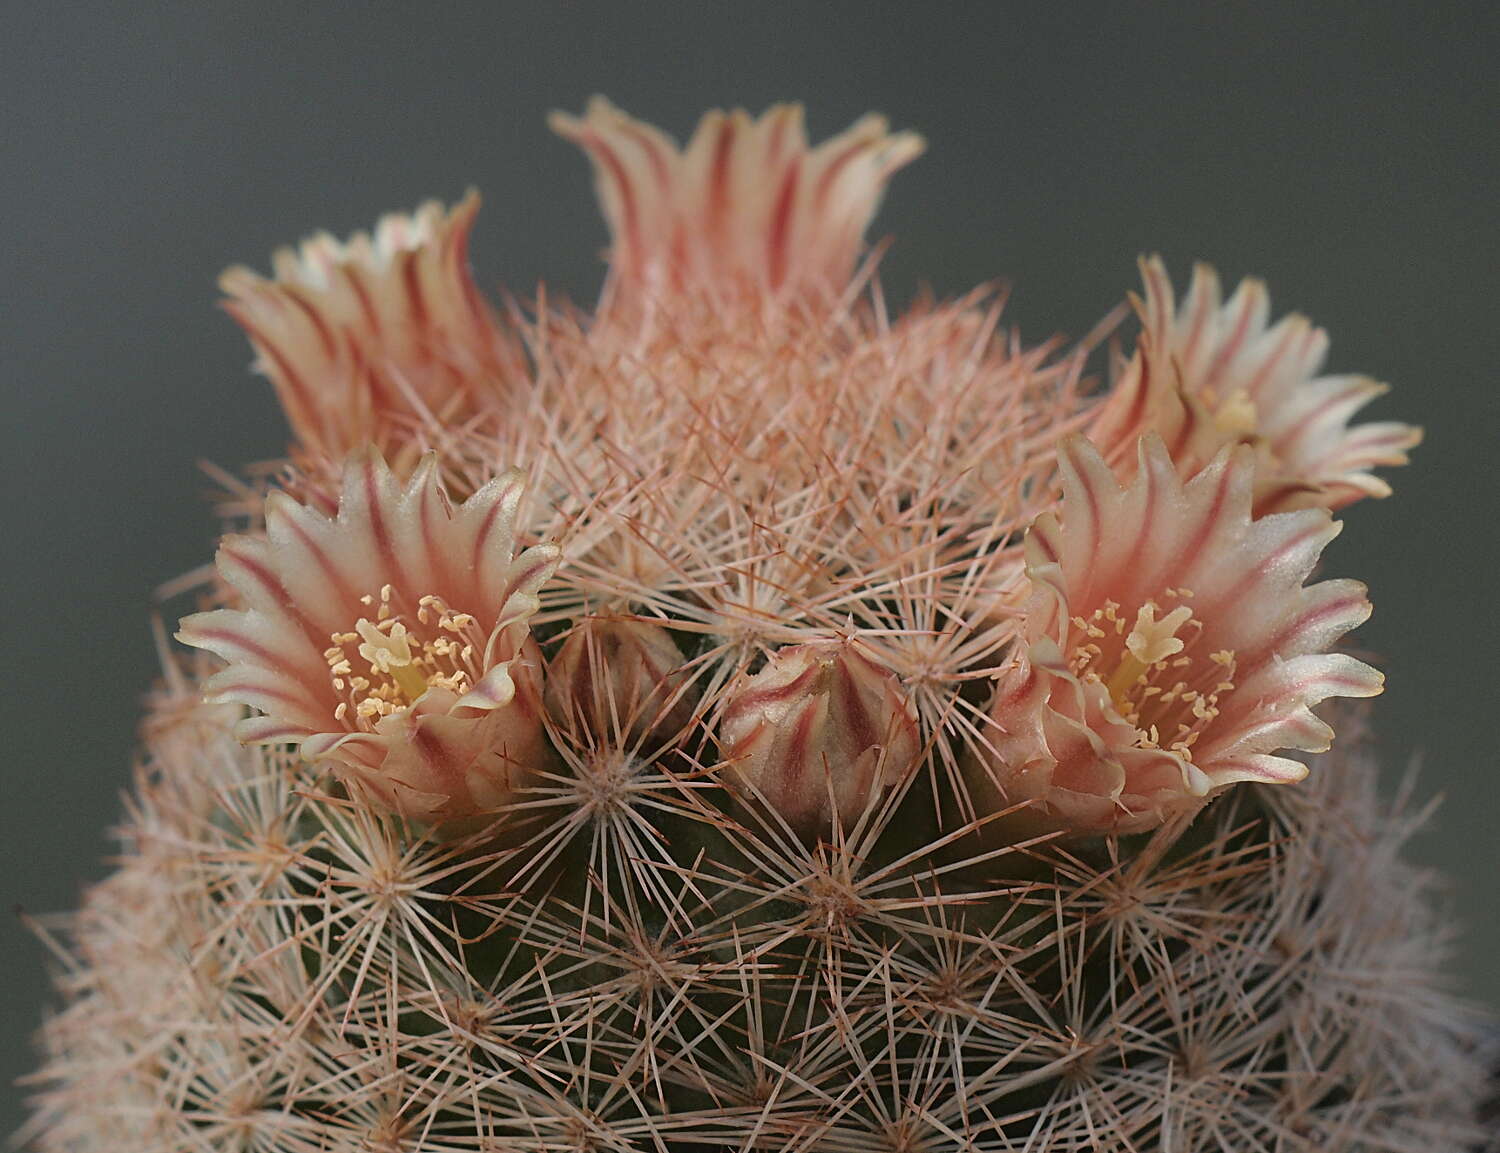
[(620, 680), (818, 733)]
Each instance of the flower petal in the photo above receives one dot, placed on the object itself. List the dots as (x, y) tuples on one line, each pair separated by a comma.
[(366, 337), (747, 204), (391, 638), (1170, 645), (1209, 374)]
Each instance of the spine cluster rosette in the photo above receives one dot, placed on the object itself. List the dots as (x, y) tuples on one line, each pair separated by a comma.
[(806, 728)]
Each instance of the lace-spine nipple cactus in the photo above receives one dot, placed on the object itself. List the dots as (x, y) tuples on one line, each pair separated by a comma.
[(746, 717)]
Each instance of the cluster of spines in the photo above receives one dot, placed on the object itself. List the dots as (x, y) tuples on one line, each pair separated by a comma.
[(277, 967)]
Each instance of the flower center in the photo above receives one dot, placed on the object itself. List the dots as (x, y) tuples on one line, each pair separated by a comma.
[(1155, 680), (384, 665), (1237, 416)]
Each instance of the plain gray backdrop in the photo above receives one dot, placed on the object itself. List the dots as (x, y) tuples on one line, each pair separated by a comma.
[(1344, 152)]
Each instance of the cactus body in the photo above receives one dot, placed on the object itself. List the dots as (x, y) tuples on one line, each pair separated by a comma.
[(690, 799)]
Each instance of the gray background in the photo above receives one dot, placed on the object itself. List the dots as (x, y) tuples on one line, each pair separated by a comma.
[(1346, 153)]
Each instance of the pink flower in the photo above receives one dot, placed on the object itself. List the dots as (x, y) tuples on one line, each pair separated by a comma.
[(1211, 373), (1170, 646), (818, 733), (391, 639), (746, 205), (366, 340)]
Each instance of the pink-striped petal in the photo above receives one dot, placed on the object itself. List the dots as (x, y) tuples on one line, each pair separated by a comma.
[(1170, 645), (369, 336), (392, 635), (1207, 374), (747, 205)]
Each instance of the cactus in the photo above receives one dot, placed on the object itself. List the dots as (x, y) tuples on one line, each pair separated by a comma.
[(741, 718)]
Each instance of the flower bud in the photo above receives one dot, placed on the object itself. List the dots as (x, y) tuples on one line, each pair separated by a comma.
[(818, 733), (621, 680)]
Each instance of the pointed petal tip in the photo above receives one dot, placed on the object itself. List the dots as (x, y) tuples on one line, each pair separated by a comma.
[(565, 125), (1366, 681), (1078, 455), (280, 506), (363, 456), (425, 473)]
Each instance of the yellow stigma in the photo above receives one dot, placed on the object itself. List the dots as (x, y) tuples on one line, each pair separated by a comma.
[(1148, 669), (390, 654), (401, 664), (1150, 642)]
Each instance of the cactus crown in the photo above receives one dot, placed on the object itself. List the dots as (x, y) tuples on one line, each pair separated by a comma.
[(658, 730)]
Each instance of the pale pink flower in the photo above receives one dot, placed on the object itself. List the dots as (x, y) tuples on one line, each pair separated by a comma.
[(391, 639), (1170, 646), (1212, 373), (746, 205), (820, 732), (369, 338)]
